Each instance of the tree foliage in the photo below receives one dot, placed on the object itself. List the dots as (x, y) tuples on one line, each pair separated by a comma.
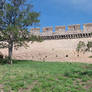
[(89, 45), (15, 18), (80, 46)]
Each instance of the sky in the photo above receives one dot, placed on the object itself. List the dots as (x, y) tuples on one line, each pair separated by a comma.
[(63, 12)]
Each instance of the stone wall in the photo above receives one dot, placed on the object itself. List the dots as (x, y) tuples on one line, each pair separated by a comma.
[(74, 27), (59, 30), (74, 31), (87, 27), (35, 31), (47, 31)]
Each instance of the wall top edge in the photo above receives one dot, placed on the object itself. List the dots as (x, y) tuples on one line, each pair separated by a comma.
[(48, 27), (74, 25), (87, 24), (60, 26), (35, 28)]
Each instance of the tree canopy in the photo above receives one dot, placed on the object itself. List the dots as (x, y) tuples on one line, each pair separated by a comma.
[(15, 18)]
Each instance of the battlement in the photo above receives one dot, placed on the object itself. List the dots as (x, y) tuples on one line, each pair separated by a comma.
[(60, 28), (73, 31), (87, 27), (35, 31), (46, 29), (74, 27)]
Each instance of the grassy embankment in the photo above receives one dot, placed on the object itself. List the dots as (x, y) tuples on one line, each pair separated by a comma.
[(29, 76)]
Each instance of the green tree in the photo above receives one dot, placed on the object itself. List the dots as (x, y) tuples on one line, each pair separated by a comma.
[(15, 18), (80, 46), (89, 45)]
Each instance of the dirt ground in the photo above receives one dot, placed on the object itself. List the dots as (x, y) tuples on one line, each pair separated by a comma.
[(53, 50)]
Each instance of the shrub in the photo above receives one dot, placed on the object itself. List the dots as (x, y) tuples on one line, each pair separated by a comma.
[(80, 46), (4, 60), (1, 55), (89, 45)]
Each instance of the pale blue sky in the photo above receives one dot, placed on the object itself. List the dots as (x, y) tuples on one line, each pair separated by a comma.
[(64, 12)]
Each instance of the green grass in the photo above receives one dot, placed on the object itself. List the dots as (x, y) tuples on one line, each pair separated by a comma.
[(29, 76)]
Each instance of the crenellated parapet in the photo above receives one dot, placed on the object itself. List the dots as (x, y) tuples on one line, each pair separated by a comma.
[(74, 31), (87, 27), (47, 31), (35, 31), (74, 27), (59, 30)]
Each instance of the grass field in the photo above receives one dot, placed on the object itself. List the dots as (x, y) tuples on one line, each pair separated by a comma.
[(29, 76)]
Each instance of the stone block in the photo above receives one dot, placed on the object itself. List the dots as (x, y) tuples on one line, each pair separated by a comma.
[(60, 28), (46, 29), (35, 31), (87, 27), (74, 27)]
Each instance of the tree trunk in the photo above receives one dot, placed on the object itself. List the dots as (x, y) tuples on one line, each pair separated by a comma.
[(10, 50)]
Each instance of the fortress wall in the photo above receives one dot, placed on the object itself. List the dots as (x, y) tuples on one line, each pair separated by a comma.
[(59, 30), (35, 31), (74, 27), (47, 31), (71, 28), (53, 50), (87, 27), (74, 31)]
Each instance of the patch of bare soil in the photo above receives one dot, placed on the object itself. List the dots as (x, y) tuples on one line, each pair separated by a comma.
[(1, 88), (88, 85)]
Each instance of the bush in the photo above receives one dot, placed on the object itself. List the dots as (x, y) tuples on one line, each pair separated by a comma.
[(89, 45), (90, 56), (4, 60), (1, 55), (80, 46)]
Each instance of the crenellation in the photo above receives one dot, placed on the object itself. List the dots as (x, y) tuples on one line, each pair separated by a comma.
[(87, 27), (35, 31), (60, 28), (77, 27), (46, 29), (74, 27), (71, 28), (74, 31)]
